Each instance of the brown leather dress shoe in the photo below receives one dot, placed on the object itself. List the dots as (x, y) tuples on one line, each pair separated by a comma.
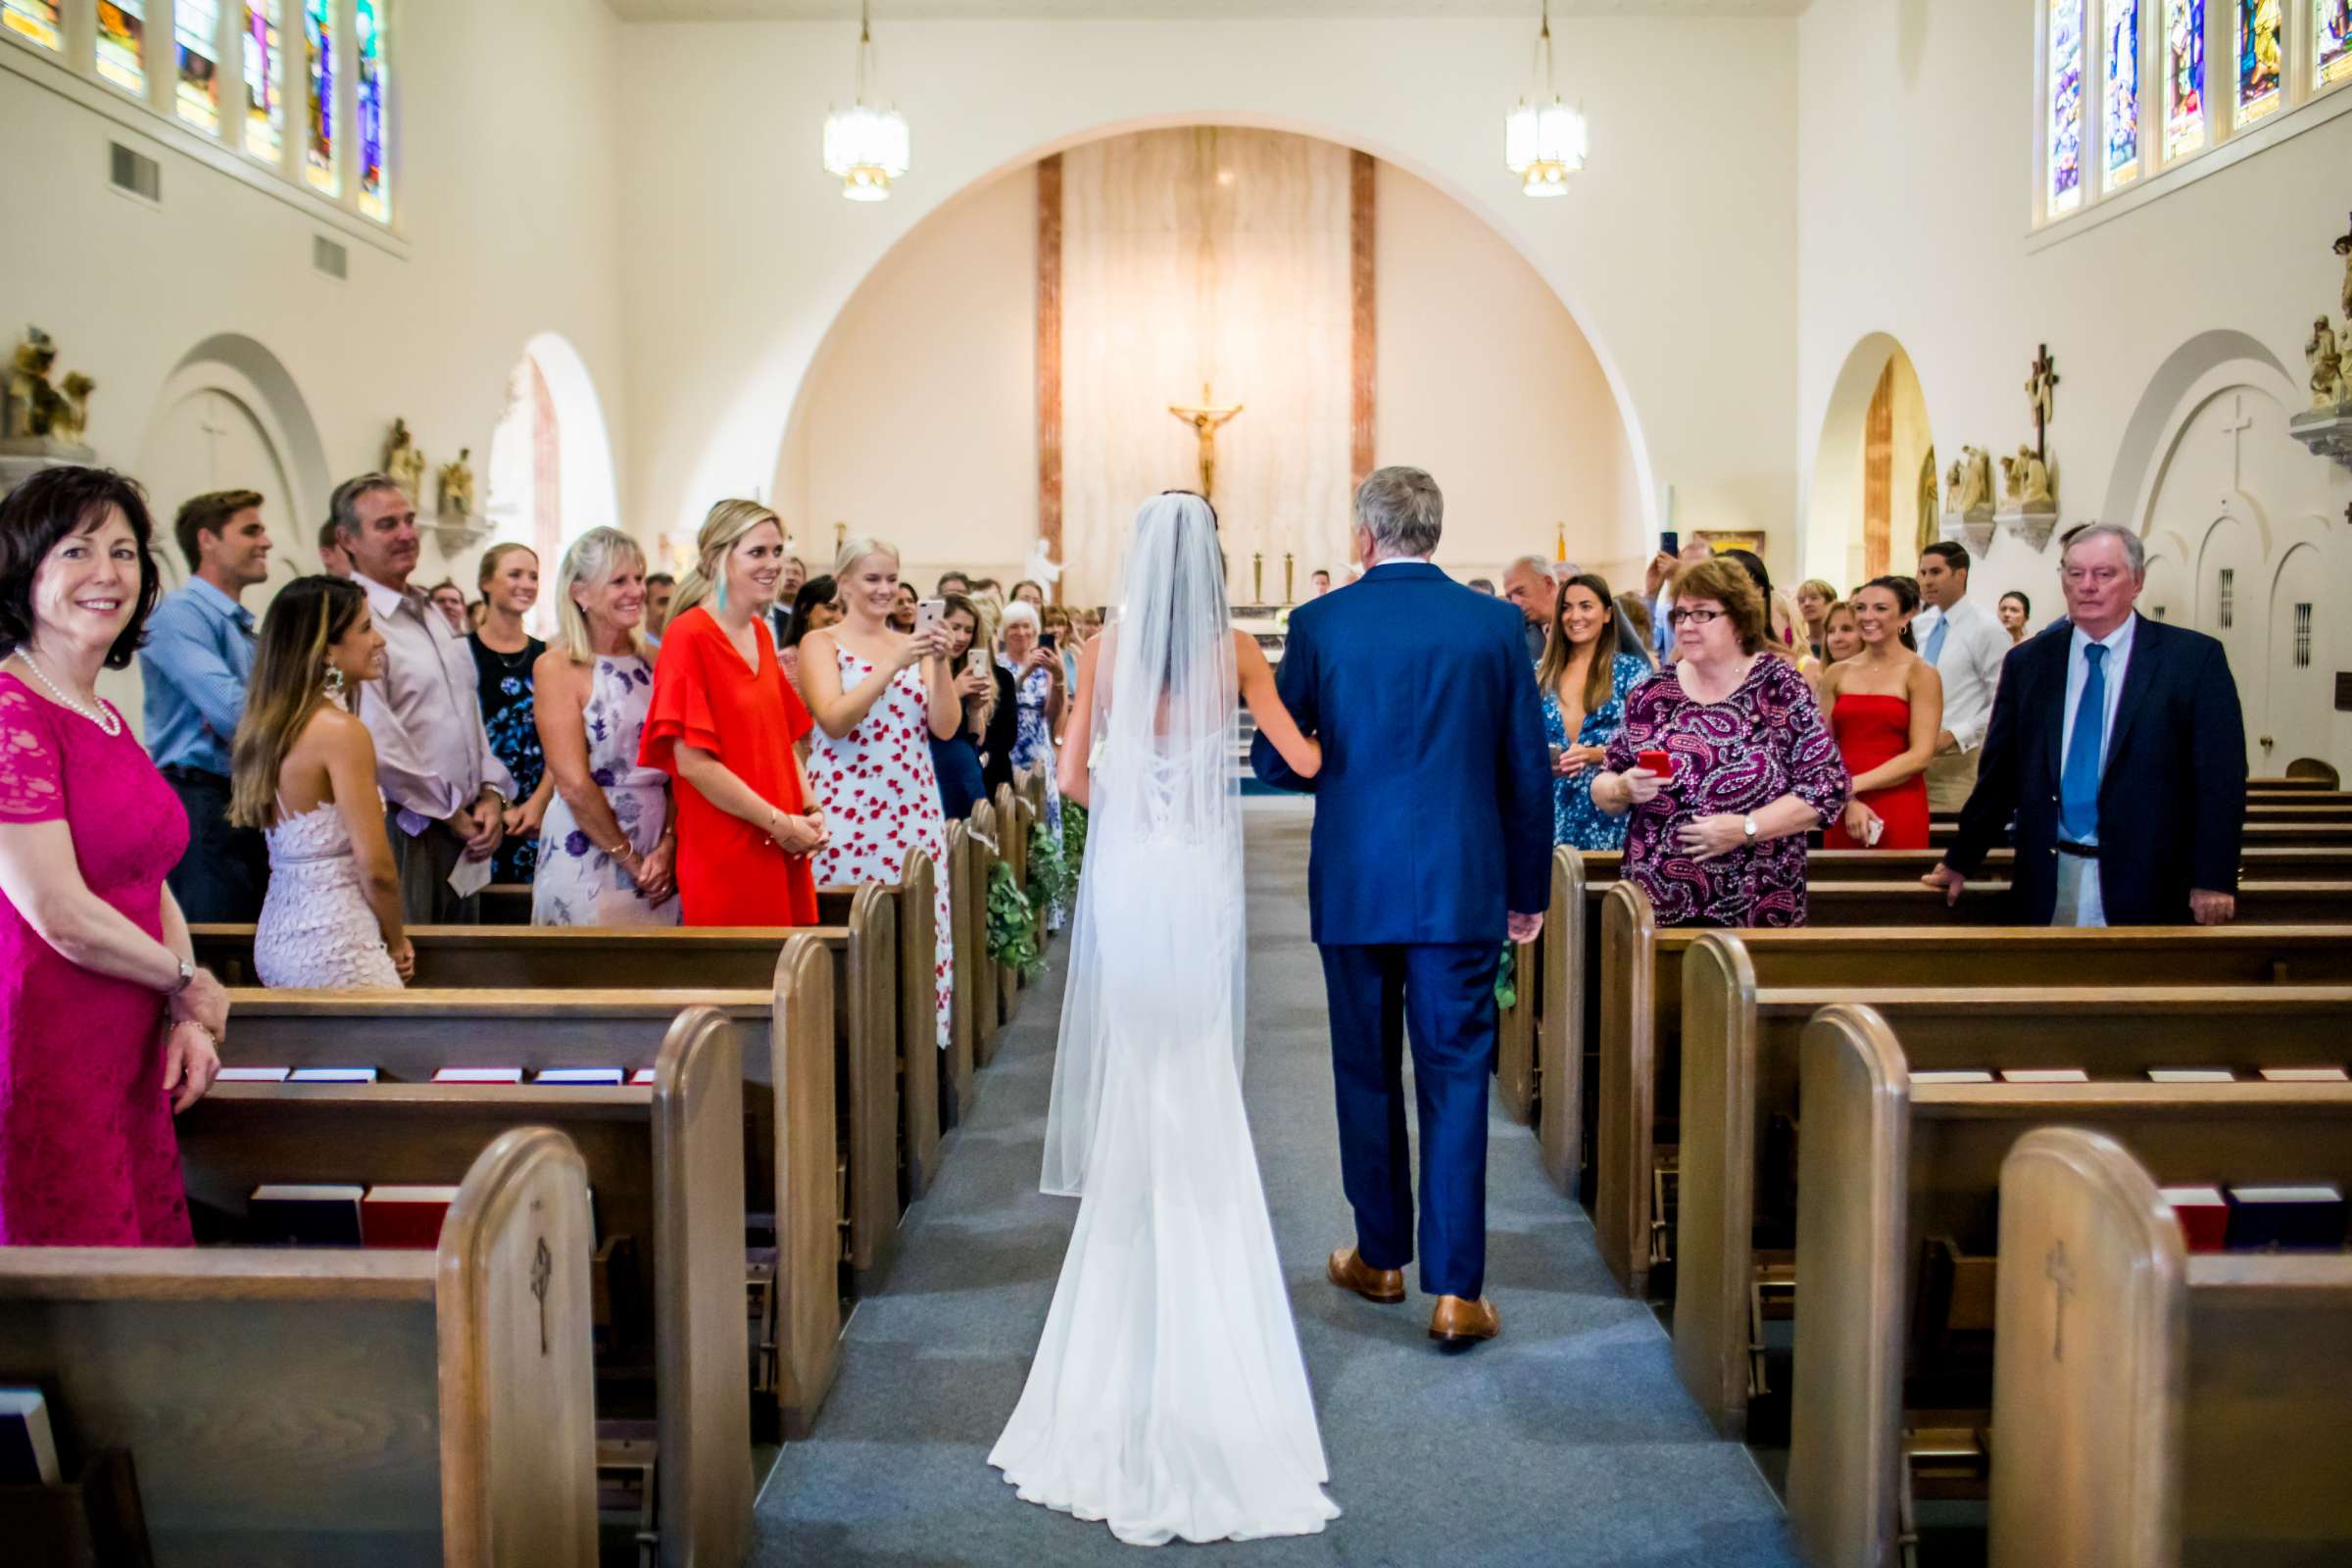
[(1458, 1324), (1351, 1272)]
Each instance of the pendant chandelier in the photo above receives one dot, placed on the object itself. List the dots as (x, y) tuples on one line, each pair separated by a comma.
[(865, 146), (1544, 139)]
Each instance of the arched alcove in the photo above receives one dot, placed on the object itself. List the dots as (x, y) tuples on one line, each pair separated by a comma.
[(1874, 496), (548, 470)]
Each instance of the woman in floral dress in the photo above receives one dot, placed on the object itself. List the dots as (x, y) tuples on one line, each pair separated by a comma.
[(1587, 671), (1036, 672), (505, 656), (879, 697)]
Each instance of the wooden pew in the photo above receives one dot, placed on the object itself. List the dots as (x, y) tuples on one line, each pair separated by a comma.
[(314, 1408), (665, 1164), (2155, 1406), (1515, 1030), (1886, 1164), (985, 846), (2006, 999), (955, 1082), (1640, 1008), (1014, 818), (904, 995)]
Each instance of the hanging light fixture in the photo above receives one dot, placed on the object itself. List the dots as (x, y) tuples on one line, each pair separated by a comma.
[(1544, 141), (866, 147)]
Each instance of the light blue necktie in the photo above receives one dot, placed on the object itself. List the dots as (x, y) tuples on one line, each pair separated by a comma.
[(1934, 648), (2078, 780)]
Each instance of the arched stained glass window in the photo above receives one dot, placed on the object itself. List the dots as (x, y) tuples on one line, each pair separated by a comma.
[(36, 20), (2123, 92), (2066, 105), (375, 190), (318, 97), (122, 44), (265, 79), (196, 32), (2330, 42), (2183, 77), (2261, 59)]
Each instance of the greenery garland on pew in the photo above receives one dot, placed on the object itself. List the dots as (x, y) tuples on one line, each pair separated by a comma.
[(1073, 838), (1052, 878), (1012, 924), (1506, 978)]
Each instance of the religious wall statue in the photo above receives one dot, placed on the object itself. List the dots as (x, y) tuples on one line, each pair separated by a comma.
[(457, 485), (2025, 483), (2343, 248), (38, 409), (404, 461), (1969, 486), (2328, 379)]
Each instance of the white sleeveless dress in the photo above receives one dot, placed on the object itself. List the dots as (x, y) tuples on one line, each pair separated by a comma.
[(316, 931)]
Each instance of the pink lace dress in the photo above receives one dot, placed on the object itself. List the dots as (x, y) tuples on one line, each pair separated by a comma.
[(87, 1154)]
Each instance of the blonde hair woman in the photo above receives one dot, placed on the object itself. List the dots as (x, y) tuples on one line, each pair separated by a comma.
[(725, 725), (303, 770), (879, 697), (609, 853), (505, 653)]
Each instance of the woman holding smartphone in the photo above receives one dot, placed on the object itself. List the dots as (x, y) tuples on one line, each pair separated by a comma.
[(956, 760), (1036, 671)]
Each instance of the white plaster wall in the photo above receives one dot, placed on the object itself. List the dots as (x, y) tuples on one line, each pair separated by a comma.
[(1676, 249)]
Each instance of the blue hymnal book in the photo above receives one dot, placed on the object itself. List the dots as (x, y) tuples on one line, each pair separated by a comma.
[(305, 1214), (2304, 1219), (27, 1447), (578, 1075)]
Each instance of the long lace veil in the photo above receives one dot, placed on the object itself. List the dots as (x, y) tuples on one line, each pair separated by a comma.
[(1156, 944)]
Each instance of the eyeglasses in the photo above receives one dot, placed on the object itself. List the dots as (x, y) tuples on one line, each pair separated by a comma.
[(1695, 618)]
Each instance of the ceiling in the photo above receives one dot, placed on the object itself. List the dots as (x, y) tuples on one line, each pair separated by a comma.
[(1191, 10)]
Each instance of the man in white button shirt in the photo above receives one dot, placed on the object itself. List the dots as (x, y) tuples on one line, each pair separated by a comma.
[(1965, 644), (446, 793)]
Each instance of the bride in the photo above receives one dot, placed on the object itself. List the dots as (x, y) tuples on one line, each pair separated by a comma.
[(1168, 1397)]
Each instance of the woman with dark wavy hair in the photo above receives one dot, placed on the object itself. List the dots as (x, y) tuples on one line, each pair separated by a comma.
[(106, 1026)]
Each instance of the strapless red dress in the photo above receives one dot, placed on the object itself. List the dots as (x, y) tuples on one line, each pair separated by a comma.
[(1872, 731)]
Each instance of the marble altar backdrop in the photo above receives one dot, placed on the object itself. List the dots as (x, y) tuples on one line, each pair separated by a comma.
[(1218, 256)]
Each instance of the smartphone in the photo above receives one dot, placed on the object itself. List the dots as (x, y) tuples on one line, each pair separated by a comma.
[(1048, 641), (1670, 542), (929, 614), (1659, 762)]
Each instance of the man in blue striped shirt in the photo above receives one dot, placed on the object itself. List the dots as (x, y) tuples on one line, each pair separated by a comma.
[(196, 661)]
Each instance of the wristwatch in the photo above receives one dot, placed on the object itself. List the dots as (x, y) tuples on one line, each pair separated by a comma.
[(1749, 827), (187, 978)]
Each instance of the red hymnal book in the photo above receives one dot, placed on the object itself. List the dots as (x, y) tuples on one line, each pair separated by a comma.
[(404, 1216), (2203, 1214)]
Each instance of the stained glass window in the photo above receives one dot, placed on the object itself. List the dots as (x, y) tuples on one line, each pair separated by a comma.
[(2331, 41), (33, 19), (2184, 78), (196, 30), (2261, 58), (318, 148), (2123, 92), (2066, 105), (375, 190), (264, 81), (122, 44)]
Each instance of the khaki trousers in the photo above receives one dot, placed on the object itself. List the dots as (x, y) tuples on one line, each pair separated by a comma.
[(1950, 779)]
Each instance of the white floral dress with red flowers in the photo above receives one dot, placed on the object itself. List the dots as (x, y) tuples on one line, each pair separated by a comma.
[(881, 799)]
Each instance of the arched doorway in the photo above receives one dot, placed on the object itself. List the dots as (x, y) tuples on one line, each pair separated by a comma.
[(1874, 495), (550, 465)]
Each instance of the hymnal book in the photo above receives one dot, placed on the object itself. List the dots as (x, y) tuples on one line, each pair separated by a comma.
[(253, 1075), (643, 1075), (2299, 1219), (405, 1216), (27, 1447), (478, 1075), (2191, 1075), (2044, 1075), (334, 1075), (305, 1214), (2303, 1075), (2203, 1213), (578, 1075), (1954, 1075)]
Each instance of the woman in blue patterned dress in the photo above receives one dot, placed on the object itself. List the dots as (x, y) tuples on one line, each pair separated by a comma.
[(1036, 672), (504, 657), (1588, 666)]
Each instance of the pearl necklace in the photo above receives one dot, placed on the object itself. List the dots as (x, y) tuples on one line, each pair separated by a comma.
[(105, 719)]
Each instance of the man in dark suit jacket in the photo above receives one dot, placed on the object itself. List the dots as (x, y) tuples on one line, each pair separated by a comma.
[(2128, 808), (1431, 843)]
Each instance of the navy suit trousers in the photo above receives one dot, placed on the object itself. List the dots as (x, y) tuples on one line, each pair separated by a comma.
[(1444, 996)]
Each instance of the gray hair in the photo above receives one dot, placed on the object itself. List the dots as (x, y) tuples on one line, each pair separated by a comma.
[(1403, 509), (1020, 612), (2135, 554), (343, 508), (1538, 565)]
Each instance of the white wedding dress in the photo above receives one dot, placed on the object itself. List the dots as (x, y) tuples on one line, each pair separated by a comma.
[(1169, 1398), (317, 932)]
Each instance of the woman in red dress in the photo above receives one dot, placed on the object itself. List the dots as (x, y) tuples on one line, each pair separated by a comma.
[(1885, 706), (725, 724)]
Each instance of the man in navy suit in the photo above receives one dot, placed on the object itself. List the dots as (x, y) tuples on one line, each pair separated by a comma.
[(2118, 745), (1431, 843)]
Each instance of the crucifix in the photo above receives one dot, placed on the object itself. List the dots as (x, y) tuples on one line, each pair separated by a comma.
[(543, 1269), (2236, 430), (2042, 388), (2062, 1282), (1206, 419), (212, 432)]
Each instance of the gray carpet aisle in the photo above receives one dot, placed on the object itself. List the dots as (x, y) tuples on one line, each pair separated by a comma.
[(1567, 1440)]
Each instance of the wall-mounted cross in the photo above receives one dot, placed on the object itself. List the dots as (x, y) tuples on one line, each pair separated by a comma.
[(2236, 432), (2042, 388), (2062, 1283), (214, 429)]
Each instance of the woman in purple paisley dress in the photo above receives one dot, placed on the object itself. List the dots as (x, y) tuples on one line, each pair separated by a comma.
[(1721, 842), (608, 849)]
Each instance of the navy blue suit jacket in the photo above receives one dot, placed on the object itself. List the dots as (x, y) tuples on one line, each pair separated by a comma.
[(1433, 809), (2171, 802)]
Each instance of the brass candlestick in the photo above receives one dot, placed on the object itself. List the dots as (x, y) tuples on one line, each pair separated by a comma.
[(1288, 579), (1257, 576)]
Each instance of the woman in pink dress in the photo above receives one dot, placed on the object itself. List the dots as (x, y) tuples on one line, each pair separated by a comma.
[(879, 697), (107, 1027)]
